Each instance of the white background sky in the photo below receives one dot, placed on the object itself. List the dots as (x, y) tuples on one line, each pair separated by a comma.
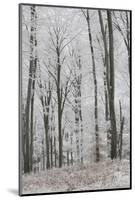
[(9, 99)]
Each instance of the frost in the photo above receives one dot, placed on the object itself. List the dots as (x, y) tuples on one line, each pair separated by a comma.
[(103, 175)]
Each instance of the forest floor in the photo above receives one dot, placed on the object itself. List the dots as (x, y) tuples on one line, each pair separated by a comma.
[(102, 175)]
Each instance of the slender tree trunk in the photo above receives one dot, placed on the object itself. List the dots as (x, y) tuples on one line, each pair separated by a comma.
[(106, 64), (51, 151), (71, 155), (106, 78), (77, 123), (45, 102), (55, 153), (67, 158), (23, 136), (95, 89), (47, 142), (128, 42), (71, 143), (46, 127), (80, 108), (43, 154), (111, 89), (32, 114), (122, 119), (27, 167), (81, 137), (59, 108)]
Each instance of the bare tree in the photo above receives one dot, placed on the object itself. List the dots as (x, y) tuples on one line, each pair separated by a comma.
[(78, 108), (105, 60), (112, 88), (30, 94), (87, 17), (58, 36), (45, 97)]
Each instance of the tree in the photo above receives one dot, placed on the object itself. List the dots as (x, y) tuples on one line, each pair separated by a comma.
[(45, 97), (87, 17), (112, 88), (105, 60), (58, 37), (78, 108), (30, 94)]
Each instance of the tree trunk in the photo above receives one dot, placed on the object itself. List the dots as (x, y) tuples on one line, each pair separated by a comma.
[(59, 108), (95, 88), (71, 155), (27, 167), (67, 158), (111, 89), (71, 143), (47, 142), (32, 103), (77, 123), (43, 153), (45, 99), (80, 108), (122, 119), (128, 45), (106, 79), (51, 151), (55, 153)]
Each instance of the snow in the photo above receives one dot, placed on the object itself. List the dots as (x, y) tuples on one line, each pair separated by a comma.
[(101, 175)]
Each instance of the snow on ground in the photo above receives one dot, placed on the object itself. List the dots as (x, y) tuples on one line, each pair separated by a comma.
[(102, 175)]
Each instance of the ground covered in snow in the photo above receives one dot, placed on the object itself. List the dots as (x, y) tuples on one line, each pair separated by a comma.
[(102, 175)]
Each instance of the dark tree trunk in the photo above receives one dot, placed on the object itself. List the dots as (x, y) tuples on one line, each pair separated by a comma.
[(59, 107), (43, 153), (71, 143), (23, 135), (32, 105), (121, 132), (67, 158), (71, 155), (47, 141), (77, 123), (55, 153), (80, 107), (128, 44), (46, 126), (106, 78), (45, 101), (51, 151), (95, 89), (27, 167), (111, 90), (78, 111)]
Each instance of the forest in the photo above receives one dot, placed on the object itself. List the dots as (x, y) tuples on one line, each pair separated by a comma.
[(75, 98)]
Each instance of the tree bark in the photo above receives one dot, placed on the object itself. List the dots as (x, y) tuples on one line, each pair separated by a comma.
[(47, 141), (111, 89), (122, 119), (27, 167), (59, 107), (77, 121), (51, 151), (95, 88), (106, 78), (32, 96), (45, 102), (55, 152), (80, 107), (67, 158)]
